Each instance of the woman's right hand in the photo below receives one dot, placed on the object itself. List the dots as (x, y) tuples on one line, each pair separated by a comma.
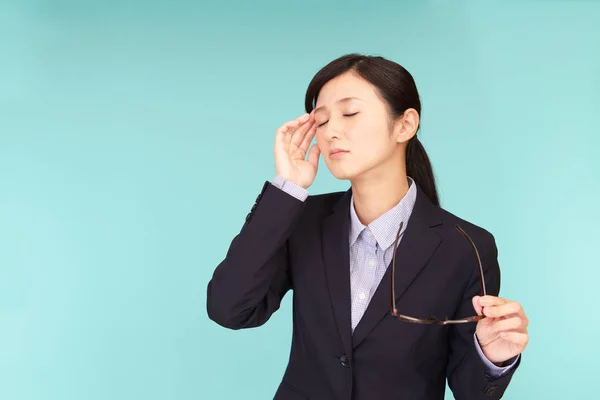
[(291, 146)]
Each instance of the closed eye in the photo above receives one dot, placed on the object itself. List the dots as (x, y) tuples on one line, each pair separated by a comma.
[(345, 115)]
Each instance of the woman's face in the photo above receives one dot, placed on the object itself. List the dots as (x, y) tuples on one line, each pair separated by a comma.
[(353, 127)]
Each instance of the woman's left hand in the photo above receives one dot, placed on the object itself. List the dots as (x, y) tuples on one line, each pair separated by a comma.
[(502, 334)]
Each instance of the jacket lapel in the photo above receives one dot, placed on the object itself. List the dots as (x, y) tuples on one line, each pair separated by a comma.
[(416, 247), (335, 250)]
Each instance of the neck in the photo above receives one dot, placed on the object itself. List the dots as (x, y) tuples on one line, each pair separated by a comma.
[(379, 192)]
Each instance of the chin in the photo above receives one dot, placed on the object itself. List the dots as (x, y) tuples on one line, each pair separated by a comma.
[(354, 172), (342, 173), (342, 177)]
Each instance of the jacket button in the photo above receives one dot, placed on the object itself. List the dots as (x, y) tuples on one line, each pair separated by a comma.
[(344, 361)]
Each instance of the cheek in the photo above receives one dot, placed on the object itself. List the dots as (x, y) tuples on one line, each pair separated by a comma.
[(370, 141), (319, 137), (364, 136)]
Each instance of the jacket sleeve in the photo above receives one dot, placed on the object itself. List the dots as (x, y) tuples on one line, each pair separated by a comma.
[(468, 375), (248, 285)]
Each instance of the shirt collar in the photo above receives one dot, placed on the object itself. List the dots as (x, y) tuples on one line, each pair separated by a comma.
[(385, 227)]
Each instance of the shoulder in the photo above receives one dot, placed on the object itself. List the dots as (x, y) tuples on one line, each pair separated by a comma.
[(486, 249), (482, 237)]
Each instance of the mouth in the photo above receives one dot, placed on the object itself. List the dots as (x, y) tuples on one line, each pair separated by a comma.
[(337, 153)]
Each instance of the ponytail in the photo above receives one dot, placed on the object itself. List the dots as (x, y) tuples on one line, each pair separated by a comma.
[(419, 169)]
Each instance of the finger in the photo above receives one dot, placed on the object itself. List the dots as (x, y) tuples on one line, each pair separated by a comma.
[(509, 324), (301, 119), (285, 131), (313, 155), (502, 310), (477, 305), (518, 338), (485, 325), (300, 132), (308, 137), (304, 117), (292, 125), (493, 301)]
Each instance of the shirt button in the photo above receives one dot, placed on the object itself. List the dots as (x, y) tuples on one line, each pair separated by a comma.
[(372, 263), (362, 296)]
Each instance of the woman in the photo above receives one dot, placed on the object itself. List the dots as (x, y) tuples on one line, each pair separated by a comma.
[(336, 252)]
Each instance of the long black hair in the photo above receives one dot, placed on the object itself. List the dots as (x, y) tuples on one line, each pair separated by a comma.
[(397, 87)]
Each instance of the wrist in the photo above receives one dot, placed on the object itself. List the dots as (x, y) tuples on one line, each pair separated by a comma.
[(294, 181)]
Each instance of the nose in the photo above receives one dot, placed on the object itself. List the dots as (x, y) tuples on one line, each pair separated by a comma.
[(333, 130)]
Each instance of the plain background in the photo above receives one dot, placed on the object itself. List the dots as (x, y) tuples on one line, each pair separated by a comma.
[(136, 135)]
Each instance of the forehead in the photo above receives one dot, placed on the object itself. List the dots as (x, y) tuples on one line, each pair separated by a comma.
[(347, 85)]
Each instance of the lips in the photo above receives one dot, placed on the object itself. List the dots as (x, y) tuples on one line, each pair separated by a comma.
[(333, 152)]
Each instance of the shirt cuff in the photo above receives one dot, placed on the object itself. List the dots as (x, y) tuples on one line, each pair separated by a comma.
[(290, 188), (493, 370)]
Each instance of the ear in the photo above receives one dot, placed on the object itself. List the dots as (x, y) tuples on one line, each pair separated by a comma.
[(407, 125)]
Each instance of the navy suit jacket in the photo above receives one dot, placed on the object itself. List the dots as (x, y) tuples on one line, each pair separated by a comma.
[(286, 244)]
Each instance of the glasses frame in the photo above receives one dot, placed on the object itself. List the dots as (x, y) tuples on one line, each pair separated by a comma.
[(433, 320)]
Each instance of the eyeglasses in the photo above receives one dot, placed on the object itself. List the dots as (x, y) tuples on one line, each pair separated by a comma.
[(433, 320)]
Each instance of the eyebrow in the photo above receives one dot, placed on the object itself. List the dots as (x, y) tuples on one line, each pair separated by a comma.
[(344, 100)]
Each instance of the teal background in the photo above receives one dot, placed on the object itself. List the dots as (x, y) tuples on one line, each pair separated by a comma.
[(135, 136)]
